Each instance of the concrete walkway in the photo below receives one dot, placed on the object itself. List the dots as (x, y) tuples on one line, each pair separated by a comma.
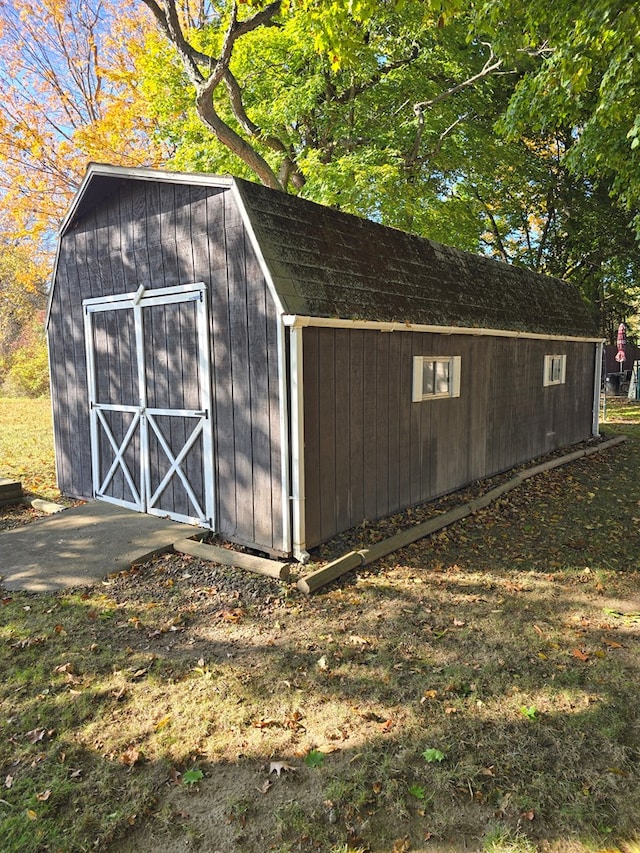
[(81, 546)]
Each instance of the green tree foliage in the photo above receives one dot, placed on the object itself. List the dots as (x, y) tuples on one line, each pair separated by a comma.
[(23, 354), (441, 120), (585, 81)]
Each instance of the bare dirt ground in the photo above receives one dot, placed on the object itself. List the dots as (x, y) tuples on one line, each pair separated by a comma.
[(477, 690), (507, 643)]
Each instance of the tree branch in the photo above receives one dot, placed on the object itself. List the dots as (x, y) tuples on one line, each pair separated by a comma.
[(169, 22), (494, 226), (289, 169), (206, 84), (491, 65)]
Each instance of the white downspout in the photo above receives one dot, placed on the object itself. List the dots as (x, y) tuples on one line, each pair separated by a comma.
[(297, 447), (597, 384)]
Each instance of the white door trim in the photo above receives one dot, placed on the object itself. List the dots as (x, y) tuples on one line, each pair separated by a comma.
[(144, 418)]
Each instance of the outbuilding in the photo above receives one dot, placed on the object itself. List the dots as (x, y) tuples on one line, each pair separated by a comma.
[(276, 371)]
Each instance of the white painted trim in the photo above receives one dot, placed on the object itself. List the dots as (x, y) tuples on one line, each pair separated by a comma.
[(52, 280), (138, 325), (456, 367), (299, 321), (53, 419), (547, 381), (285, 473), (137, 302), (597, 385), (285, 464), (104, 170), (454, 362), (297, 446), (246, 220), (160, 296), (204, 373), (92, 399)]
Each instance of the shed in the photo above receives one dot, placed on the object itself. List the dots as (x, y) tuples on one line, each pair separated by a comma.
[(277, 371)]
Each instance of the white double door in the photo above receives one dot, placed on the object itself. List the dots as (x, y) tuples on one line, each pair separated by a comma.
[(150, 402)]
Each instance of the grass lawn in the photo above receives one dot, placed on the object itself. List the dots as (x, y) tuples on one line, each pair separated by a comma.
[(26, 444), (478, 690)]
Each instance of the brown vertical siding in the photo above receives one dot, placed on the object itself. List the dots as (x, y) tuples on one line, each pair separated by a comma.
[(369, 450), (161, 234)]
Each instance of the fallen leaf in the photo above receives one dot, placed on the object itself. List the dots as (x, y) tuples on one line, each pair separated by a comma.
[(139, 673), (265, 786), (8, 782), (31, 814), (322, 664), (459, 623), (613, 644), (431, 755), (528, 815), (44, 796), (315, 758), (278, 766), (578, 653), (130, 756), (192, 777), (162, 723), (36, 735), (234, 615), (265, 724), (402, 845), (293, 721), (387, 726)]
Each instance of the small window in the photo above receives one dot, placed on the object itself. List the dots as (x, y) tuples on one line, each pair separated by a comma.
[(435, 376), (555, 369)]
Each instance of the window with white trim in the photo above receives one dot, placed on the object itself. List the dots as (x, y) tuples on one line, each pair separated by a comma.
[(435, 377), (555, 370)]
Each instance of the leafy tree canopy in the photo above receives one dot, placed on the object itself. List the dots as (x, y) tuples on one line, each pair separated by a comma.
[(586, 82), (497, 125), (67, 96), (440, 118)]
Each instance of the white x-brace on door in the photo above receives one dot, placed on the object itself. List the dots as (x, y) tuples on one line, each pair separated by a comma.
[(150, 402)]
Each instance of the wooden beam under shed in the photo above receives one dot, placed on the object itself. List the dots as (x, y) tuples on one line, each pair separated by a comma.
[(238, 559)]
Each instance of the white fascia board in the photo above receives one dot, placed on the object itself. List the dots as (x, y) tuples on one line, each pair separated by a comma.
[(131, 173), (297, 321), (246, 219), (52, 282), (282, 371), (138, 173)]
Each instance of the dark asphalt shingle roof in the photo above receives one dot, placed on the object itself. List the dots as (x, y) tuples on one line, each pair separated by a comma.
[(325, 263)]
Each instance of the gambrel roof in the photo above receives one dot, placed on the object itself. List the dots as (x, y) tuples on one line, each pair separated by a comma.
[(323, 263)]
